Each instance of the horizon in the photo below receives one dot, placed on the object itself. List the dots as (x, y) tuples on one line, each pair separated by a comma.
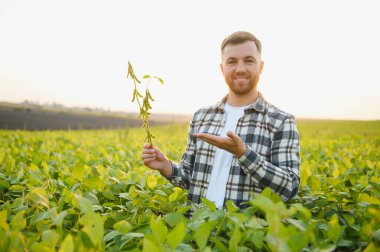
[(314, 68), (158, 113)]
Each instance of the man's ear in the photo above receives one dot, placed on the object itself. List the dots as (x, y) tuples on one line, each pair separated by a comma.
[(261, 66), (221, 68)]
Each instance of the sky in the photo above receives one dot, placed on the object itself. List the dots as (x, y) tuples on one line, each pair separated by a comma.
[(321, 57)]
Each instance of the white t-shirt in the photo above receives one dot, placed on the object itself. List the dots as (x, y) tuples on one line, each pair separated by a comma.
[(222, 160)]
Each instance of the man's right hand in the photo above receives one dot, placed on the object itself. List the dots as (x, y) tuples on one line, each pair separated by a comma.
[(154, 159)]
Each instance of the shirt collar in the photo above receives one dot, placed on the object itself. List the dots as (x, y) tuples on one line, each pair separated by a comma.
[(258, 105)]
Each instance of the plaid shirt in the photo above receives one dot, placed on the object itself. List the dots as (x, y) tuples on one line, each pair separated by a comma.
[(271, 159)]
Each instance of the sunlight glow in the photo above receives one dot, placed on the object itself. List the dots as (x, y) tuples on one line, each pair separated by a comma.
[(321, 57)]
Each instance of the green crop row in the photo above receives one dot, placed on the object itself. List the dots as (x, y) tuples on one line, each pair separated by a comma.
[(88, 191)]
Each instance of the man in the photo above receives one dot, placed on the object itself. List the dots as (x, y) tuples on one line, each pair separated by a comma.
[(240, 145)]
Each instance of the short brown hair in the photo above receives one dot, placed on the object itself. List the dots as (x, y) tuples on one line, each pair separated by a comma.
[(240, 37)]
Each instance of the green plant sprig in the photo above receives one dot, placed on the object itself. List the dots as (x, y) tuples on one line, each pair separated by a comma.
[(143, 101)]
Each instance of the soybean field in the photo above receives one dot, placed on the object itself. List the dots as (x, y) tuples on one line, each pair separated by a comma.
[(88, 190)]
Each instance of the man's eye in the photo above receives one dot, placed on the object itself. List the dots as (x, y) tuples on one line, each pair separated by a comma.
[(250, 61), (231, 62)]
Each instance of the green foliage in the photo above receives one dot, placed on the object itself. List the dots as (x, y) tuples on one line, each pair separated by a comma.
[(76, 191), (143, 101)]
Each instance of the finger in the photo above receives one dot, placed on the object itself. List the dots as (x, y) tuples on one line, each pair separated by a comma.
[(148, 145), (145, 156), (149, 151), (233, 136), (217, 143), (200, 134), (148, 160), (205, 136), (208, 140)]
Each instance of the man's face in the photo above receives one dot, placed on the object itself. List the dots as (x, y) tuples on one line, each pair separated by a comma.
[(241, 66)]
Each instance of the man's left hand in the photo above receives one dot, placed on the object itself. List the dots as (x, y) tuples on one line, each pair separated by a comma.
[(231, 143)]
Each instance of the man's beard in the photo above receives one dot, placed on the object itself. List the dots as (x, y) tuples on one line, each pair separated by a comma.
[(242, 89)]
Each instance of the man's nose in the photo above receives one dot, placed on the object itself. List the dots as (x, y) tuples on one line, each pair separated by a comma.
[(240, 67)]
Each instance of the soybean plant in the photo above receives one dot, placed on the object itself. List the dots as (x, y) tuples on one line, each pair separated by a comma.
[(143, 101)]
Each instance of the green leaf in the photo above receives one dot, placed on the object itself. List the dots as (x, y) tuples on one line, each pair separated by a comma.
[(363, 197), (203, 233), (83, 238), (93, 226), (314, 183), (334, 229), (296, 240), (82, 203), (219, 245), (10, 165), (209, 204), (258, 239), (109, 194), (133, 235), (305, 173), (370, 164), (173, 219), (58, 219), (45, 168), (376, 235), (16, 188), (18, 221), (176, 236), (67, 245), (159, 228), (78, 172), (263, 203), (147, 76), (4, 184), (350, 220), (35, 175), (235, 239), (345, 243), (132, 193), (160, 80), (111, 235), (20, 174), (231, 207), (33, 167), (122, 226), (50, 238), (371, 248), (151, 181), (94, 182), (37, 217), (3, 220), (150, 246), (38, 195), (298, 208), (40, 247), (298, 224), (173, 197), (269, 193)]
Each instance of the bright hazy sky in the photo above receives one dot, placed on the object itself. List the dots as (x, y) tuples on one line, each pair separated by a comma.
[(321, 57)]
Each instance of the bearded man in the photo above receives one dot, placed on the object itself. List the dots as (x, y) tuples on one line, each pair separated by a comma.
[(240, 145)]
